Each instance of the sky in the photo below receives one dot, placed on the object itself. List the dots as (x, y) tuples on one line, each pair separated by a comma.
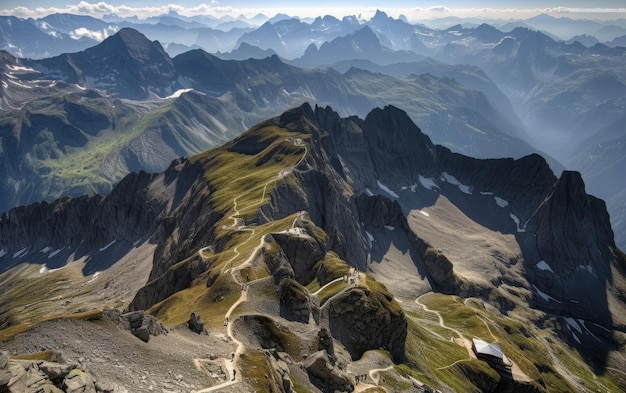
[(412, 9)]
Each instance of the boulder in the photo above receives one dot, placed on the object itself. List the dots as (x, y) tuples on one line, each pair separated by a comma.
[(141, 325), (37, 381), (195, 323), (56, 371), (79, 381)]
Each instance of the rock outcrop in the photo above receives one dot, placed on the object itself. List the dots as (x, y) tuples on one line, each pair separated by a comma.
[(140, 324), (325, 343), (363, 319), (295, 304), (573, 228), (325, 376), (195, 323), (19, 376)]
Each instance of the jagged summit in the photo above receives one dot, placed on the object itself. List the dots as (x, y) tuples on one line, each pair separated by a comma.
[(134, 43)]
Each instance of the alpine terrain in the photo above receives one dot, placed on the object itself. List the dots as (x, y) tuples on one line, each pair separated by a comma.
[(203, 198), (317, 253)]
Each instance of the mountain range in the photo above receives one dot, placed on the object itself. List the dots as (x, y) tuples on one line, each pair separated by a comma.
[(564, 93), (272, 218), (128, 104), (318, 259)]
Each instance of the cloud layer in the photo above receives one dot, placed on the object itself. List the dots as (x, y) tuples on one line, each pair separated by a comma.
[(216, 9)]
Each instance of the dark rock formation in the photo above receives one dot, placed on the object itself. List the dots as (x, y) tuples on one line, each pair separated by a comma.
[(364, 319), (302, 252), (325, 343), (195, 323), (573, 228), (295, 304), (440, 269), (324, 375)]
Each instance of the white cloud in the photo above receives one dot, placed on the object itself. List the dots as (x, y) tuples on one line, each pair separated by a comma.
[(95, 35)]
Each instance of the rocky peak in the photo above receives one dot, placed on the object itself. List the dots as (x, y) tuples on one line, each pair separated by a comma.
[(135, 44)]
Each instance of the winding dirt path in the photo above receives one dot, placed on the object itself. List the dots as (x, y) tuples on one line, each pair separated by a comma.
[(233, 371), (466, 343)]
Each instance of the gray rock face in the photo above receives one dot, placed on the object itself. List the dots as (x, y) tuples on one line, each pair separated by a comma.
[(325, 376), (573, 228)]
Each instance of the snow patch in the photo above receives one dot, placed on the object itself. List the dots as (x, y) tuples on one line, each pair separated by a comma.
[(544, 295), (427, 182), (486, 193), (543, 265), (45, 250), (3, 253), (107, 246), (573, 324), (16, 68), (20, 84), (516, 220), (389, 227), (588, 268), (368, 192), (386, 189), (576, 337), (43, 269), (453, 180), (93, 278), (370, 239), (178, 93), (54, 253), (20, 253), (582, 323), (501, 202), (422, 212)]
